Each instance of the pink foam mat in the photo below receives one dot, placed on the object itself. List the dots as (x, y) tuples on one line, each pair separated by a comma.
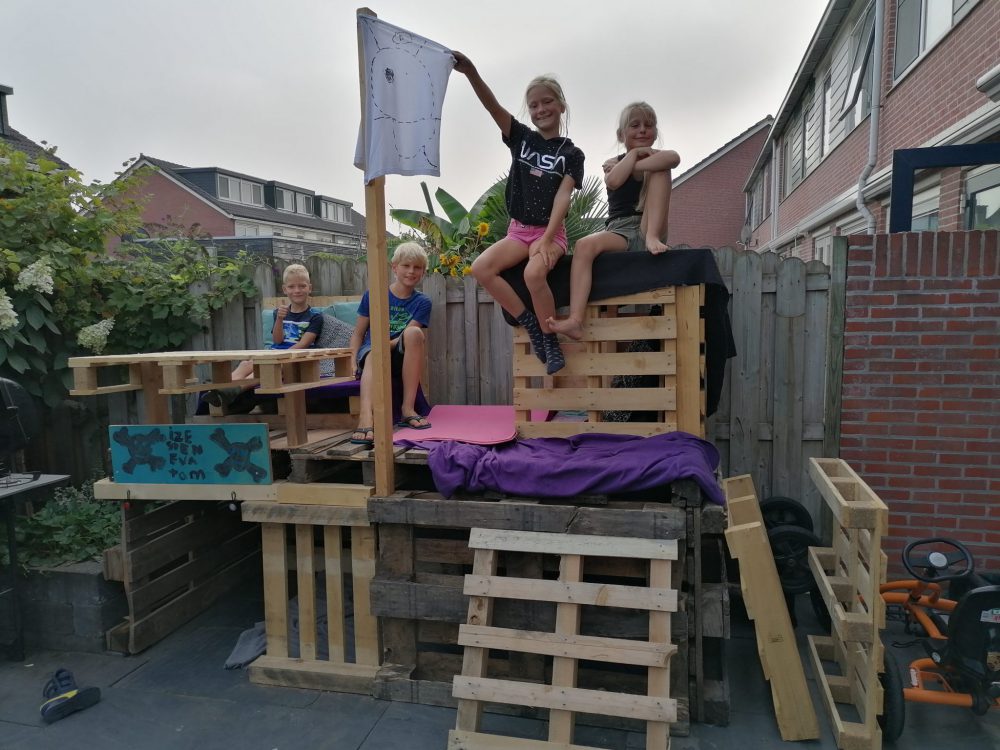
[(481, 425)]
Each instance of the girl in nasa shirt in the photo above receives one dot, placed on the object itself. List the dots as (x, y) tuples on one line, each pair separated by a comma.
[(546, 167)]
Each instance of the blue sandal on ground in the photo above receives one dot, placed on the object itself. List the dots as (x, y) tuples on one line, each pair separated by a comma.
[(414, 422), (63, 697)]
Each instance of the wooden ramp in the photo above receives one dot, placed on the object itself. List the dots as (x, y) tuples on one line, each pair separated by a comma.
[(765, 604), (565, 646)]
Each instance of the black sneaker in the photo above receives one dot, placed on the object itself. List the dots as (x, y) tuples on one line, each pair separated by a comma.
[(63, 697), (223, 396)]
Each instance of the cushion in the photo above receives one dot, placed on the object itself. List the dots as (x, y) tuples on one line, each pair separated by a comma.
[(345, 311), (336, 334)]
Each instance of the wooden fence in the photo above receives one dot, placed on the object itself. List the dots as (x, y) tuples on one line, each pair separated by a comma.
[(780, 404)]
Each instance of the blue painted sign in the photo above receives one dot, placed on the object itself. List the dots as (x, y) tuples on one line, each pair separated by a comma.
[(190, 454)]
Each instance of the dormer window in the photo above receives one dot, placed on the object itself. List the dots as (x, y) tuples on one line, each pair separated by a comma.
[(334, 212), (284, 200), (305, 203), (240, 191)]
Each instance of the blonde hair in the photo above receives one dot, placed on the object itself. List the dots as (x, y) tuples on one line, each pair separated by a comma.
[(295, 269), (411, 251), (630, 110), (549, 82)]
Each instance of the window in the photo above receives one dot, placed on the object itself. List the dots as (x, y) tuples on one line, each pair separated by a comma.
[(982, 199), (334, 212), (793, 152), (823, 247), (305, 203), (284, 199), (857, 97), (925, 210), (240, 191), (920, 23), (755, 207)]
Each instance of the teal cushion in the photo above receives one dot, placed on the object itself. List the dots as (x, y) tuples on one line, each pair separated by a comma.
[(345, 311)]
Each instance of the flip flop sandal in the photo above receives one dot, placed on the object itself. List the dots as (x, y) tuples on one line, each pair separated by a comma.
[(409, 422), (365, 440)]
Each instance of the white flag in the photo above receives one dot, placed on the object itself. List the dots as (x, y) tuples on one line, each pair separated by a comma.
[(405, 78)]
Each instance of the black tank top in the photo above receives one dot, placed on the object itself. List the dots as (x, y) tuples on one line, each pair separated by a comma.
[(623, 201)]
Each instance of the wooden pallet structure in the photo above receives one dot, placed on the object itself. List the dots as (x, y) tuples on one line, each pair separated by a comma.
[(765, 604), (848, 661), (175, 558), (570, 593), (670, 318)]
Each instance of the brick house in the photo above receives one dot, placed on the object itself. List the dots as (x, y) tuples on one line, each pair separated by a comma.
[(707, 201), (240, 211), (10, 137), (931, 67)]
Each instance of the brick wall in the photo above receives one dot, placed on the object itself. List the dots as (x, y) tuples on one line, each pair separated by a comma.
[(709, 208), (921, 392)]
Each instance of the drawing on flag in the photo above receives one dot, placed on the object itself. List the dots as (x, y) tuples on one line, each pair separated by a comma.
[(406, 77)]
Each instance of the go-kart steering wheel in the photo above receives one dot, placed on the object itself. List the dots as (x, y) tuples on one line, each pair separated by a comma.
[(934, 565)]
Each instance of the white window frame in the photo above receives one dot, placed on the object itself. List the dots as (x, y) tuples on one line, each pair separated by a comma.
[(927, 38), (301, 200), (286, 199), (978, 180), (246, 192), (863, 44)]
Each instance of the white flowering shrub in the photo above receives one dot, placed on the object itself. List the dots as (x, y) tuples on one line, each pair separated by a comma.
[(95, 337), (37, 276), (8, 317)]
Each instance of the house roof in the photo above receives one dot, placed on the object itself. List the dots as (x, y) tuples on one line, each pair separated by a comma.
[(723, 150), (832, 18), (243, 211), (20, 142)]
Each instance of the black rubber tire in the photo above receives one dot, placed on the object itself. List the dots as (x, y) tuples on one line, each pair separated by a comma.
[(819, 609), (784, 511), (790, 548), (893, 716)]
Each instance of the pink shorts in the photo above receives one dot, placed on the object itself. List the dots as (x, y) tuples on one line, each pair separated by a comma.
[(527, 233)]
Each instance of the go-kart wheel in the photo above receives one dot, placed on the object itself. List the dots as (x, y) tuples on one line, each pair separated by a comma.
[(893, 715), (784, 511), (790, 548), (933, 566), (819, 609)]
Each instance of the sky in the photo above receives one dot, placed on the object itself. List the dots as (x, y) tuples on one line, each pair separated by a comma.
[(270, 88)]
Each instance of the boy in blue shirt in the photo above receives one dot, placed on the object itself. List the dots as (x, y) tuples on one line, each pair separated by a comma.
[(409, 315)]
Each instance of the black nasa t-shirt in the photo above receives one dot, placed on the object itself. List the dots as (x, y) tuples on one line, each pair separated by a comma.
[(537, 171)]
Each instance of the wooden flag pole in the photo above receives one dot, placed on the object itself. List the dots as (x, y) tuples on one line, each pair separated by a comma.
[(378, 302)]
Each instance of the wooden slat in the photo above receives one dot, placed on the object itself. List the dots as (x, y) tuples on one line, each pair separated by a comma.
[(605, 595), (577, 700), (592, 648), (366, 641), (564, 667), (611, 363), (459, 740), (306, 591), (106, 489), (314, 675), (325, 493), (568, 429), (273, 550), (333, 561), (658, 676), (573, 544), (316, 515), (595, 399), (474, 660)]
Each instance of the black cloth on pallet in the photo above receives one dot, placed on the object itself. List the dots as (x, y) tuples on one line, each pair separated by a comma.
[(617, 274)]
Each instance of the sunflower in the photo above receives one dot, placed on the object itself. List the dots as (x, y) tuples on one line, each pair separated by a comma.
[(482, 229)]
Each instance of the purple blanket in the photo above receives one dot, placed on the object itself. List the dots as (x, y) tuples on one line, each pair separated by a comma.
[(590, 463)]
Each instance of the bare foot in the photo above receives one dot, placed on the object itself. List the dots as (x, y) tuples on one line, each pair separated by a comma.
[(656, 247), (569, 327)]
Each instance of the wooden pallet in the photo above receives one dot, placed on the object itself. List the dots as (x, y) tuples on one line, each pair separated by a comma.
[(765, 604), (335, 541), (678, 400), (564, 644), (175, 560), (848, 574), (423, 557)]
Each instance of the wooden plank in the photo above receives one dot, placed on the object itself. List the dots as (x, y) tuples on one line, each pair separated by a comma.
[(436, 511), (366, 640), (316, 515), (333, 562), (273, 551), (474, 660), (568, 429), (788, 380), (848, 735), (573, 544), (658, 676), (325, 493), (459, 740), (592, 648), (564, 667), (608, 363), (107, 489), (315, 675), (690, 416), (745, 373), (605, 595), (470, 313), (566, 699), (852, 502), (305, 575), (597, 399), (144, 559)]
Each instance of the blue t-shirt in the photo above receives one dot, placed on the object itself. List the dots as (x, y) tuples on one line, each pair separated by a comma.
[(401, 311), (296, 325)]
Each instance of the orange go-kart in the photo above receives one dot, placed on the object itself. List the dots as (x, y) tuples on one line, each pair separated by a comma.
[(961, 634)]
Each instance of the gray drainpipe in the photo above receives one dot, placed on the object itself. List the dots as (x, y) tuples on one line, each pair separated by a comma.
[(774, 193), (873, 122)]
